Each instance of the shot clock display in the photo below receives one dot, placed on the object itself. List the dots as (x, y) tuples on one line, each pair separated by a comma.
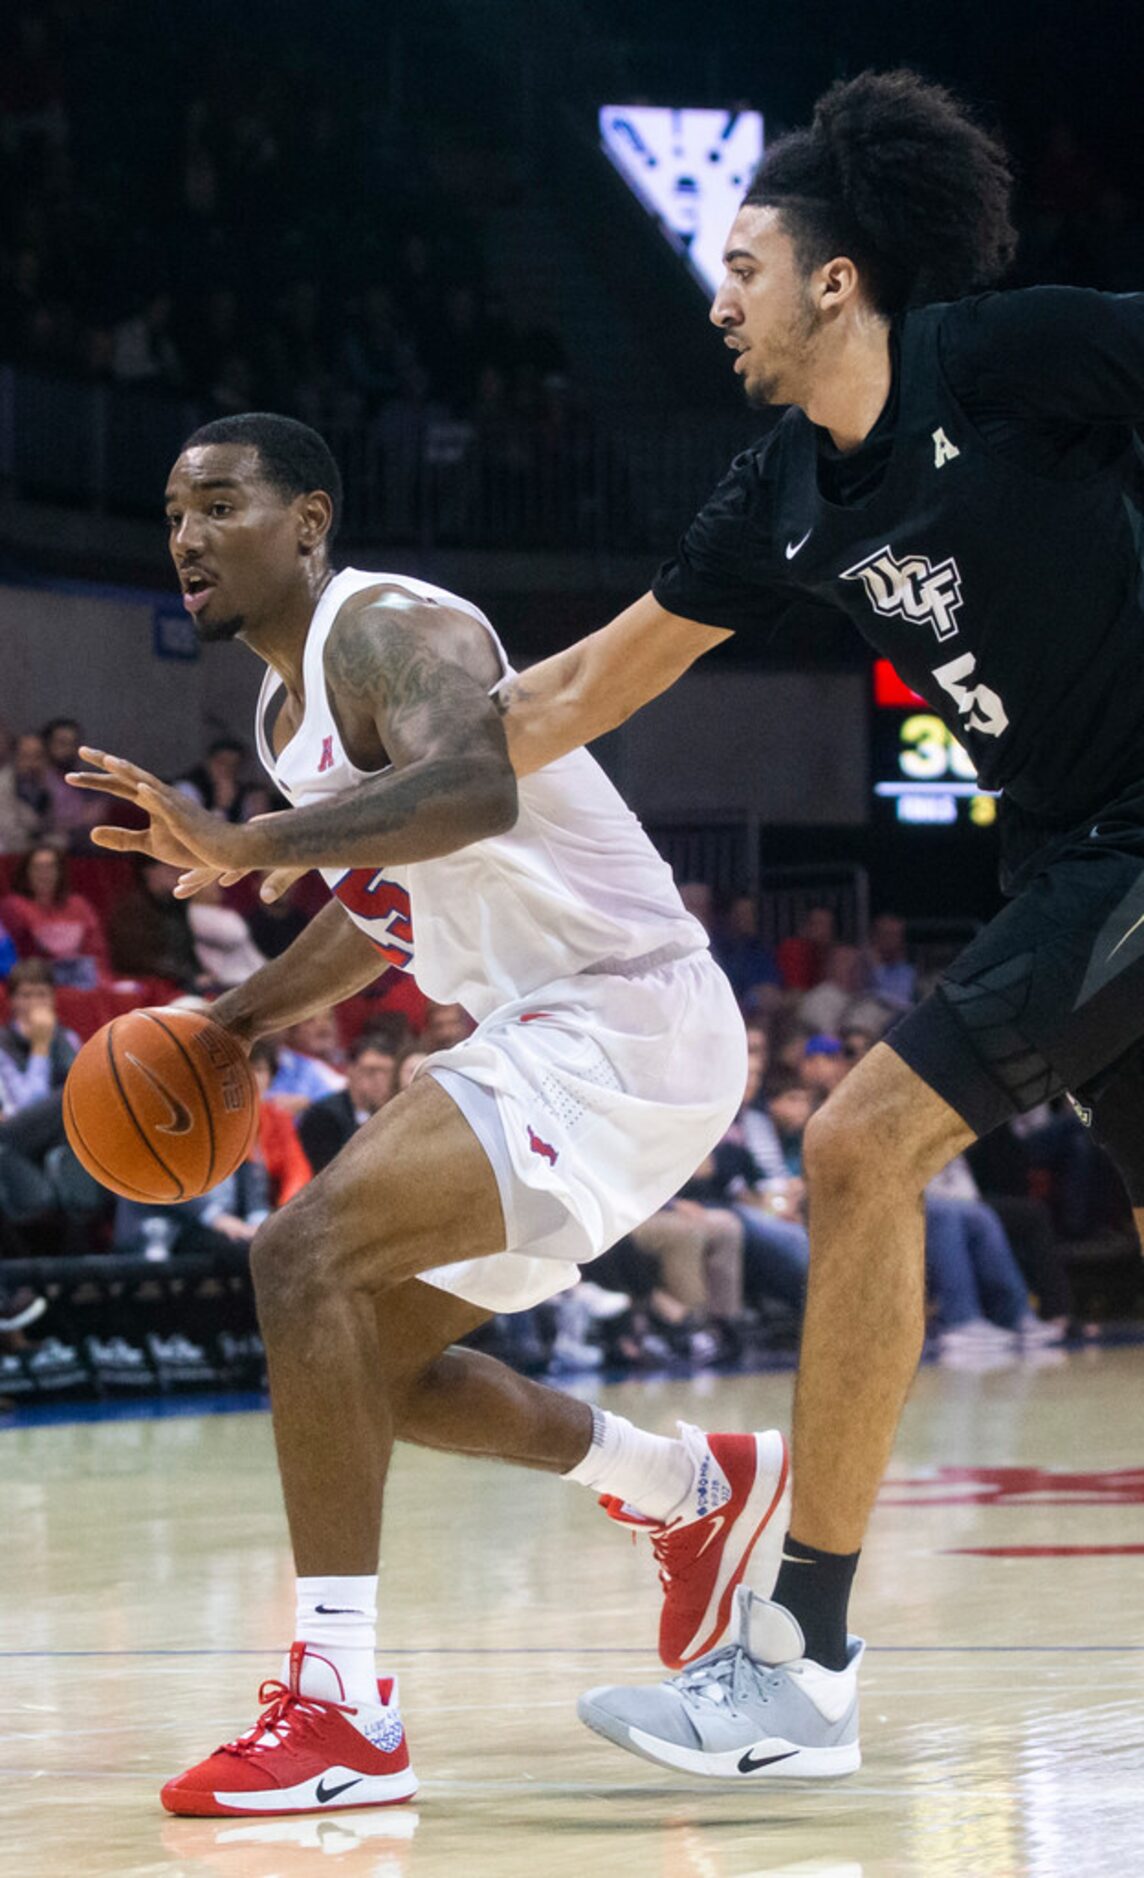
[(922, 774)]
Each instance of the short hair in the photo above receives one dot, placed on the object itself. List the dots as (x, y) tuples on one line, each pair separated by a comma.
[(31, 972), (894, 172), (295, 459), (369, 1040), (59, 723), (218, 744)]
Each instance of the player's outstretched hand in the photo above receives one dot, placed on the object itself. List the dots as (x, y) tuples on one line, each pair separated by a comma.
[(180, 831)]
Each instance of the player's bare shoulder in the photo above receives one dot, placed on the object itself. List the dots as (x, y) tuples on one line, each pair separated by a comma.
[(408, 676), (380, 629)]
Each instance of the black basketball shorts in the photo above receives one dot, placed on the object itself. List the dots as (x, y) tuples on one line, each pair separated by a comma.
[(1049, 998)]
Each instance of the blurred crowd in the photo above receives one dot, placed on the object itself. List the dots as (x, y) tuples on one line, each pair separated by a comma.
[(715, 1277), (305, 233), (234, 266)]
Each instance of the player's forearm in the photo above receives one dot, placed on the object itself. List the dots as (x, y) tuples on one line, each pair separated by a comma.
[(429, 808), (328, 961), (596, 685)]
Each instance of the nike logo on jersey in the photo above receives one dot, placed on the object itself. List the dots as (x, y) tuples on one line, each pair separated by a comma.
[(749, 1763), (324, 1794), (180, 1120), (943, 450), (1125, 937), (792, 547)]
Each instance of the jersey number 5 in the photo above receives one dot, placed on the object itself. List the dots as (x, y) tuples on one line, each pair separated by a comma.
[(978, 707)]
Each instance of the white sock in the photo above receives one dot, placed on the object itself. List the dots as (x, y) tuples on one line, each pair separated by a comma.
[(338, 1617), (653, 1473)]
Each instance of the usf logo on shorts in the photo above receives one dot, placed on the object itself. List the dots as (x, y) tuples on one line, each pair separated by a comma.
[(912, 588)]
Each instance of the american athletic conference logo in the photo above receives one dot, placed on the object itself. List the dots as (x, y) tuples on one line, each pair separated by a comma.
[(912, 588)]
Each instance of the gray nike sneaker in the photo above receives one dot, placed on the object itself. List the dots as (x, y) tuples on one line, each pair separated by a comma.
[(754, 1709)]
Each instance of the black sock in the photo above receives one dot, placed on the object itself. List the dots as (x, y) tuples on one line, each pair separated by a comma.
[(815, 1588)]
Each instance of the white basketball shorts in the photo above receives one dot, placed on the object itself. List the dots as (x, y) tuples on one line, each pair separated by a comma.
[(594, 1099)]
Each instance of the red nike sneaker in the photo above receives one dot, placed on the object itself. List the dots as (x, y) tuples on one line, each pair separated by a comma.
[(303, 1755), (735, 1517)]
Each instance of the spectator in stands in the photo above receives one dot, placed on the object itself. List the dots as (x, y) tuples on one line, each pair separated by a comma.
[(275, 924), (1002, 1168), (699, 899), (8, 952), (74, 811), (278, 1146), (843, 996), (699, 1294), (445, 1025), (789, 1105), (855, 1041), (889, 971), (149, 932), (325, 1126), (38, 1172), (19, 823), (143, 346), (308, 1059), (408, 1062), (224, 945), (216, 783), (802, 958), (48, 921), (30, 777), (824, 1064), (776, 1247), (749, 964), (976, 1284)]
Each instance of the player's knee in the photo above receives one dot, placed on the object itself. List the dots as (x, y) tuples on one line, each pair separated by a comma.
[(835, 1148), (285, 1264)]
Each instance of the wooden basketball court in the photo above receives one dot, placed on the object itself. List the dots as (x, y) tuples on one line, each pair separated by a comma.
[(147, 1589)]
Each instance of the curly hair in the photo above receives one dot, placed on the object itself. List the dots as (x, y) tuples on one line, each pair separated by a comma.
[(893, 172)]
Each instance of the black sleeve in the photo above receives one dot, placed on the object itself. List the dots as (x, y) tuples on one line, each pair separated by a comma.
[(1067, 353), (721, 575)]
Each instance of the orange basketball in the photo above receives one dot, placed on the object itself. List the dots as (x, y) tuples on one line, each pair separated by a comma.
[(161, 1105)]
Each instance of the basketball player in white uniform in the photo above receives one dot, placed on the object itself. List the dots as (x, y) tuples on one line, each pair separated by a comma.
[(608, 1058)]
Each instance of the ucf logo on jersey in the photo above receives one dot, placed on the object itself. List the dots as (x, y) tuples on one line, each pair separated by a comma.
[(912, 588)]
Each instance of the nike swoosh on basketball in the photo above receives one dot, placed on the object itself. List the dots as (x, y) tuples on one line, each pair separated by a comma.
[(792, 547), (322, 1793), (750, 1763), (181, 1121)]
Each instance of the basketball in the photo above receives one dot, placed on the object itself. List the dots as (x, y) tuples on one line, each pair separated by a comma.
[(160, 1105)]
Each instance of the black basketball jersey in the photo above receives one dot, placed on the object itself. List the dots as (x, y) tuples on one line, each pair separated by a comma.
[(988, 538)]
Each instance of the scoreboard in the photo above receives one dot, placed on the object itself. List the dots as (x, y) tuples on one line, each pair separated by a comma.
[(923, 777)]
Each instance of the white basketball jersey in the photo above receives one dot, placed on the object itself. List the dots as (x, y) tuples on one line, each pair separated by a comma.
[(573, 886)]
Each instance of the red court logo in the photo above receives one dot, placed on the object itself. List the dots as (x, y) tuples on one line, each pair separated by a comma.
[(327, 758), (543, 1148), (1017, 1486)]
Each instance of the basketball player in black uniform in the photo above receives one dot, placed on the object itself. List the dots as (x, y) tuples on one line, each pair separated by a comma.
[(962, 479)]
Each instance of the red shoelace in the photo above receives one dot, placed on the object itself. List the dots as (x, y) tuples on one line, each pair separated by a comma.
[(283, 1711)]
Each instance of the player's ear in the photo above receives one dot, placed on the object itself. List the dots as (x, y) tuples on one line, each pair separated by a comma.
[(838, 282), (315, 514)]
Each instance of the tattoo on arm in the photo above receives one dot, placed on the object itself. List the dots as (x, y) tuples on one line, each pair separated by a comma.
[(450, 782)]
